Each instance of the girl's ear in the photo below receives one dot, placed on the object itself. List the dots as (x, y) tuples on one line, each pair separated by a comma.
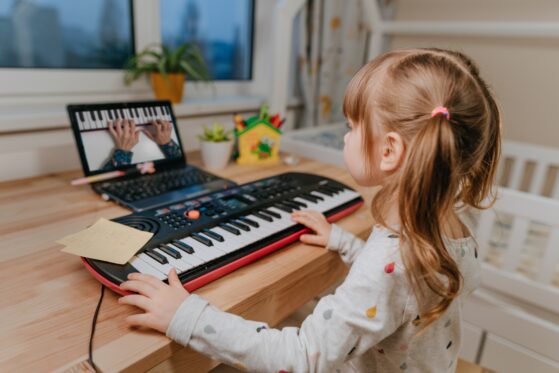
[(392, 152)]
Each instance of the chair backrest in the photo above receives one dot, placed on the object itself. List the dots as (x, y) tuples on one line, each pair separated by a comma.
[(531, 168), (519, 244)]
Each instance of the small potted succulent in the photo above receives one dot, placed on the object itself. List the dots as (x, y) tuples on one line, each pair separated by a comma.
[(216, 144), (167, 69)]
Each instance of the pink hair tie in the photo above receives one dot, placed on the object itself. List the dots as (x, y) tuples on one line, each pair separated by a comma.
[(440, 110)]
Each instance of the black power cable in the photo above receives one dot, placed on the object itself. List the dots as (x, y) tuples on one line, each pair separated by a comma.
[(90, 359)]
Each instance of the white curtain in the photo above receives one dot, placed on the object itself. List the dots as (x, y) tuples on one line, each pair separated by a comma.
[(332, 42)]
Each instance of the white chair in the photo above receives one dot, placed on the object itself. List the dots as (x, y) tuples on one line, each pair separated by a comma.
[(512, 320), (529, 167)]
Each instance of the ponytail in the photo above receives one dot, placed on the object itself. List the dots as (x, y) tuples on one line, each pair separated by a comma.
[(426, 193)]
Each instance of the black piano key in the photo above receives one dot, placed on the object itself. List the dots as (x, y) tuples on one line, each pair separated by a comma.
[(170, 251), (93, 115), (323, 190), (212, 234), (263, 216), (300, 204), (283, 207), (230, 229), (157, 257), (80, 115), (152, 111), (145, 111), (184, 247), (203, 240), (316, 196), (121, 114), (335, 189), (249, 222), (293, 205), (99, 115), (136, 115), (309, 198), (111, 115), (274, 214), (240, 225)]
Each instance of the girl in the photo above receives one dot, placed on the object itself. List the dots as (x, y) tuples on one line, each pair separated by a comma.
[(424, 126)]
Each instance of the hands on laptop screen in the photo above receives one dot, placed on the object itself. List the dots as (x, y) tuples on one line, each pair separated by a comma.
[(115, 137)]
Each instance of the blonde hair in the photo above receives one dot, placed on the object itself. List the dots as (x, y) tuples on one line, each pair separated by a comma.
[(448, 163)]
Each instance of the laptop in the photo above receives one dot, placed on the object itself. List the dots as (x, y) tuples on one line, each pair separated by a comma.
[(154, 138)]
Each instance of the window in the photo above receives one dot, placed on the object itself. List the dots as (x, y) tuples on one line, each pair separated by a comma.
[(96, 34), (222, 29)]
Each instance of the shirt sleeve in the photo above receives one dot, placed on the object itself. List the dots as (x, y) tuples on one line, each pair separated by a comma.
[(119, 158), (364, 310), (345, 243), (171, 150)]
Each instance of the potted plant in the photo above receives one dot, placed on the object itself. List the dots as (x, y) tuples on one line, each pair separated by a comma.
[(167, 68), (216, 144)]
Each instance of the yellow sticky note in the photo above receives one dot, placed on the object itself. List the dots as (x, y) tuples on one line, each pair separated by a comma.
[(106, 240)]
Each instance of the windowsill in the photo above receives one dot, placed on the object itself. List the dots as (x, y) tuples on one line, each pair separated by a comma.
[(36, 118)]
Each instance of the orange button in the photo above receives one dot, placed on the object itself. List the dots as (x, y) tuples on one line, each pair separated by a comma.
[(193, 214)]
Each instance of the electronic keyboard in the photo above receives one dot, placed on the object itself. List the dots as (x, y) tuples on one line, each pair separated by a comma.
[(207, 237), (142, 114)]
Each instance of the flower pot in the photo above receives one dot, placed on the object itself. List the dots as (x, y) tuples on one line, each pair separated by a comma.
[(168, 89), (216, 155)]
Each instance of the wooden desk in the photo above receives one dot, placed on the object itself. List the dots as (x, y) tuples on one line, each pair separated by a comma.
[(48, 298)]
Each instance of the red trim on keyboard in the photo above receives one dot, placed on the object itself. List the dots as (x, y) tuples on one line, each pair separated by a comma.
[(111, 285), (229, 267)]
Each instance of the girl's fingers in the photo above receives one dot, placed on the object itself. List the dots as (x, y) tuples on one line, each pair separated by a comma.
[(136, 300), (141, 319), (312, 239), (174, 279), (140, 287), (152, 280), (305, 220)]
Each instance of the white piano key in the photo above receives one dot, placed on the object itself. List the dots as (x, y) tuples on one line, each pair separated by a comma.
[(189, 258), (143, 267), (201, 251), (81, 123), (106, 118), (136, 116), (88, 120), (231, 242), (143, 116), (163, 268), (148, 114), (166, 113), (179, 264)]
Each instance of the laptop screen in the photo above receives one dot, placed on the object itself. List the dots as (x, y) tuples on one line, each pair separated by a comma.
[(118, 136)]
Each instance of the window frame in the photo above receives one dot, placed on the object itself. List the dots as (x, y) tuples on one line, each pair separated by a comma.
[(32, 85)]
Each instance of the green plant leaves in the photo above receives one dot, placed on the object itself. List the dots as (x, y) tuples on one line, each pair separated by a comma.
[(216, 133), (185, 59)]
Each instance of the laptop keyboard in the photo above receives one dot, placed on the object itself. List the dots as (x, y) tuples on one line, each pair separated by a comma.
[(152, 185)]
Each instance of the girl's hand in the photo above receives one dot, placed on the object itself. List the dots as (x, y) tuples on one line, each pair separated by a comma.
[(159, 300), (315, 221)]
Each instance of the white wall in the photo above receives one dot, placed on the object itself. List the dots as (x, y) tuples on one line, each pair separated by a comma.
[(524, 73)]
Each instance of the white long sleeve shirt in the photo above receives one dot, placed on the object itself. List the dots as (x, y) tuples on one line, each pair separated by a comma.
[(365, 326)]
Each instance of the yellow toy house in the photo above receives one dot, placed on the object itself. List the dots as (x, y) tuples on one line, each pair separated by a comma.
[(258, 142)]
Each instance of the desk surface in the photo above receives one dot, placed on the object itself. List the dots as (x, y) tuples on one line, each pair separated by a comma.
[(48, 298)]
